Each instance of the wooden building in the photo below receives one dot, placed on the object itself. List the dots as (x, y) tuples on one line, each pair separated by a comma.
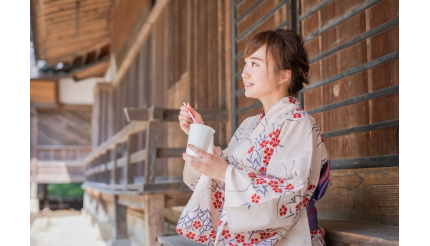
[(163, 53)]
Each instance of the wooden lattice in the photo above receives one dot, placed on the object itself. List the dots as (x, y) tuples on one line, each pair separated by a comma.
[(65, 127)]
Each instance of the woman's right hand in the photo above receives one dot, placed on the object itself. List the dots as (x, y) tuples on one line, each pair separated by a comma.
[(185, 119)]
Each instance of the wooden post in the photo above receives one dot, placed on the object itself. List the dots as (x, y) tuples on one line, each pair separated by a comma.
[(151, 146), (154, 218), (119, 230), (117, 154), (129, 168)]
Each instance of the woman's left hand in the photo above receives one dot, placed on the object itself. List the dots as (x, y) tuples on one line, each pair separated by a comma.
[(208, 164)]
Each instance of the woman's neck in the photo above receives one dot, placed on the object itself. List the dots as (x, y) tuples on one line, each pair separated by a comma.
[(270, 100)]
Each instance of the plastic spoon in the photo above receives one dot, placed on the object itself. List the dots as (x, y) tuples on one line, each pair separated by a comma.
[(192, 117)]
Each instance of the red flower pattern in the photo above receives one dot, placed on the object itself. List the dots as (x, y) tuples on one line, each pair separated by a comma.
[(197, 224), (273, 183), (250, 150), (191, 235), (289, 187), (283, 210), (217, 204), (255, 198), (254, 241), (202, 239), (240, 238), (264, 143), (262, 169), (297, 115), (220, 222), (251, 175), (226, 234), (268, 151), (311, 187), (260, 181), (179, 231), (266, 159), (274, 142), (213, 234), (305, 202), (299, 109), (291, 100)]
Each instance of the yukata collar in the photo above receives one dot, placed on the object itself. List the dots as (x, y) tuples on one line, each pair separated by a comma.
[(279, 105)]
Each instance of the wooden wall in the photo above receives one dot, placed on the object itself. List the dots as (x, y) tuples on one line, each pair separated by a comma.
[(349, 61), (184, 59), (250, 18)]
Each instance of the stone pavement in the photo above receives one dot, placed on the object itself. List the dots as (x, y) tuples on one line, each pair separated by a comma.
[(66, 230)]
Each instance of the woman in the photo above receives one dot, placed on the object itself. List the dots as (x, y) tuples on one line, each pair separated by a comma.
[(262, 188)]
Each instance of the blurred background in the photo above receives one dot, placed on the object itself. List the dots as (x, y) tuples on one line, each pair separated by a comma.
[(107, 78)]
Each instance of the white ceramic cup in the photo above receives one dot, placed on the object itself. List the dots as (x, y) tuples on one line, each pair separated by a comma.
[(202, 137)]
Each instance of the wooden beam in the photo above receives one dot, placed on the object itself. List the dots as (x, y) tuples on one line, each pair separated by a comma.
[(96, 70), (140, 39), (154, 218)]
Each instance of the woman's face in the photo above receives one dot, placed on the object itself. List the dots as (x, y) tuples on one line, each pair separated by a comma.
[(259, 79)]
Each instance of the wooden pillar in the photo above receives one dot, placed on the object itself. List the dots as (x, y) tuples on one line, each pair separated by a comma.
[(119, 230), (151, 146), (115, 172), (154, 218), (129, 168)]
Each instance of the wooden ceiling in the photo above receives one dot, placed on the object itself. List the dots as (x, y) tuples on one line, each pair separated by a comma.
[(70, 31)]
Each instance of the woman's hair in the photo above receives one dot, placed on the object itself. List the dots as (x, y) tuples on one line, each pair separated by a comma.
[(288, 52)]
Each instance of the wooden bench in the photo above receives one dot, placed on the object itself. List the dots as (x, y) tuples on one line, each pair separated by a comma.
[(338, 232)]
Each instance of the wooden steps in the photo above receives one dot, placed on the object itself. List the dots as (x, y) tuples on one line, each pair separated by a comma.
[(346, 232), (339, 233)]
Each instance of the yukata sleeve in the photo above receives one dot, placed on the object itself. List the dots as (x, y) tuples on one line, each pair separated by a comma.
[(289, 155), (191, 176)]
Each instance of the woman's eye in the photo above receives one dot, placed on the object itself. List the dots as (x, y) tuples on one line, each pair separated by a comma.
[(253, 63)]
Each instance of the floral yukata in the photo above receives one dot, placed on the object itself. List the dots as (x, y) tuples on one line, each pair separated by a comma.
[(278, 168)]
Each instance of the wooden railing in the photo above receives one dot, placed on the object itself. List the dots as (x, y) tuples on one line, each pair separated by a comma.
[(106, 165), (58, 164)]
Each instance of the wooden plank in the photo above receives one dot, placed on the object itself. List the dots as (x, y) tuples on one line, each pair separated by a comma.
[(154, 218), (367, 194), (342, 232)]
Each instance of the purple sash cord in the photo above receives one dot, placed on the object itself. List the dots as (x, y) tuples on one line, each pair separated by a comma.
[(319, 192)]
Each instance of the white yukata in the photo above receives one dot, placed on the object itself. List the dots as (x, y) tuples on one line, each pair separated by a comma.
[(275, 161)]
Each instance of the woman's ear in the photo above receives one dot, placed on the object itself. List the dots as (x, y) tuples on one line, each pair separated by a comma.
[(285, 76)]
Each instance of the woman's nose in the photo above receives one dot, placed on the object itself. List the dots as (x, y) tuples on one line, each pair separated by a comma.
[(245, 75)]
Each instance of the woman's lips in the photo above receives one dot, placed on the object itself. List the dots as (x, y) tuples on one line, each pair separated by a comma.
[(247, 85)]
